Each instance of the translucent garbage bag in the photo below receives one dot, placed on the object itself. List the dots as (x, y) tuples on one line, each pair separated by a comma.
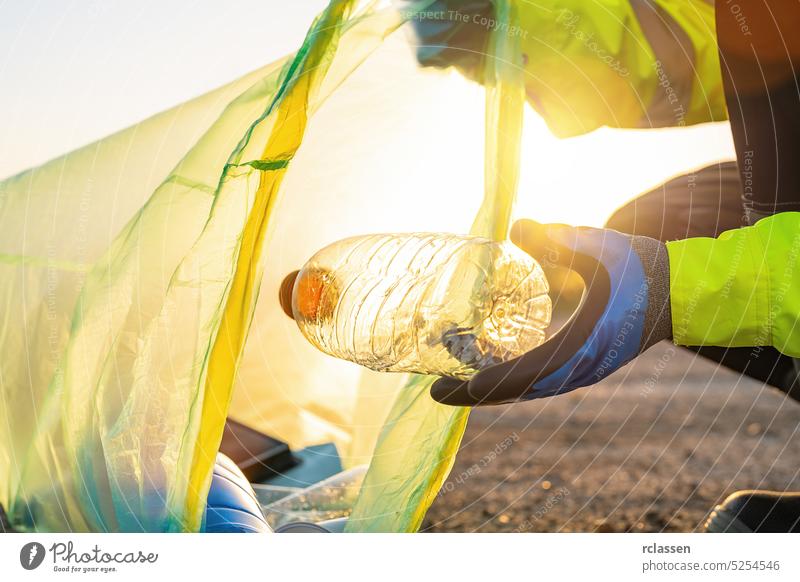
[(140, 275)]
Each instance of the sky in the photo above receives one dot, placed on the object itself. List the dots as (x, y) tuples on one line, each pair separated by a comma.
[(72, 71), (75, 71)]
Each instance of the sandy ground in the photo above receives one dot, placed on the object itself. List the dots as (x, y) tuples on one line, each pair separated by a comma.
[(652, 448)]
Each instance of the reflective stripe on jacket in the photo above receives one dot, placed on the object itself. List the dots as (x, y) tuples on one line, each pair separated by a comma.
[(621, 63), (741, 289)]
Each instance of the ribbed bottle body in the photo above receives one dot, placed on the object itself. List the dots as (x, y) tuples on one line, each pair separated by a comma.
[(428, 303)]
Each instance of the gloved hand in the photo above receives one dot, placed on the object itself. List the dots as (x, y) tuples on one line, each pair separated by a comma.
[(450, 33), (625, 310)]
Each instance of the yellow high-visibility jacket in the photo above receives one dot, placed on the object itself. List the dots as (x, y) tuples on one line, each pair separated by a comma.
[(741, 289), (621, 63)]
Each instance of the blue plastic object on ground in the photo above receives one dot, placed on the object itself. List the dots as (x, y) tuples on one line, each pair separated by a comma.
[(232, 506)]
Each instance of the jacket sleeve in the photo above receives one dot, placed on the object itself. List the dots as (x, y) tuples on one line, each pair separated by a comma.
[(622, 63), (741, 289)]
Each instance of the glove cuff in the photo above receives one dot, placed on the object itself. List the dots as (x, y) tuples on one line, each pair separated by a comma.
[(658, 317)]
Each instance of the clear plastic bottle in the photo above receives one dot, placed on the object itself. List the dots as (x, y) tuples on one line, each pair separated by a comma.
[(428, 303)]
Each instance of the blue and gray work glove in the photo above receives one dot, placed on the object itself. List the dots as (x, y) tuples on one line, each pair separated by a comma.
[(624, 311)]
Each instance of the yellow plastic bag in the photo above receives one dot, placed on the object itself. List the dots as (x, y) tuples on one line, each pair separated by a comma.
[(418, 445), (140, 278)]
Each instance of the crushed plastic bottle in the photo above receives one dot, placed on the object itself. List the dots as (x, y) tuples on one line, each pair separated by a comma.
[(427, 303)]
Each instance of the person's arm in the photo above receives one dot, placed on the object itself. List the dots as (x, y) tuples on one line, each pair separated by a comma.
[(622, 63), (619, 63), (741, 289)]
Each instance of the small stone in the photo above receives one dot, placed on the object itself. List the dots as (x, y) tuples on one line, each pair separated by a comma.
[(546, 485), (754, 429), (602, 526), (504, 519)]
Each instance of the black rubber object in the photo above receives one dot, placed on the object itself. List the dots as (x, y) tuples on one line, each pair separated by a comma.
[(756, 512)]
